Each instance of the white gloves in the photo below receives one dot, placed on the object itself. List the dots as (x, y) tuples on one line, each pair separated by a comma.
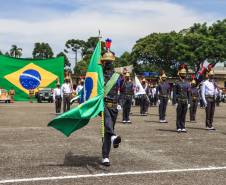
[(158, 101), (205, 104), (189, 106), (119, 107)]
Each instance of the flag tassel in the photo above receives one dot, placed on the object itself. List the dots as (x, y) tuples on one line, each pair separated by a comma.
[(102, 126)]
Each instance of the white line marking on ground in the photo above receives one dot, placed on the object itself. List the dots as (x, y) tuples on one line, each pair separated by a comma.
[(110, 174)]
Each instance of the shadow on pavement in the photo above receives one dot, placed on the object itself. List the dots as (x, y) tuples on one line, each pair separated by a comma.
[(166, 130), (87, 162), (153, 121), (83, 161), (196, 128)]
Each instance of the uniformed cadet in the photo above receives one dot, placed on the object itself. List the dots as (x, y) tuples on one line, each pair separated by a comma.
[(163, 93), (155, 100), (127, 92), (218, 97), (209, 90), (194, 101), (57, 98), (201, 104), (79, 88), (121, 82), (143, 99), (110, 110), (66, 91), (182, 98)]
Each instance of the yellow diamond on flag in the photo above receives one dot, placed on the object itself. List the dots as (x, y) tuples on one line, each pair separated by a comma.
[(31, 76)]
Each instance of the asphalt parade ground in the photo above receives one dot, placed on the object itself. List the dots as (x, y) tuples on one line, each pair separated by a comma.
[(150, 152)]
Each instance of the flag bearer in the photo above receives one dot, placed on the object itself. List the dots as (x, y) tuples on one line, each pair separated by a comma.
[(57, 98), (209, 90), (194, 101), (182, 98), (127, 92), (110, 108), (66, 91), (163, 93)]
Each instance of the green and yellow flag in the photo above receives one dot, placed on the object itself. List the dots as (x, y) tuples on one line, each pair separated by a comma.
[(25, 74), (92, 95)]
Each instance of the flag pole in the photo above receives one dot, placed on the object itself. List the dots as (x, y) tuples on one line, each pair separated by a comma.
[(102, 113)]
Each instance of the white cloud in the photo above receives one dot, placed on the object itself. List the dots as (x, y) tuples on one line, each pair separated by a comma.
[(123, 21)]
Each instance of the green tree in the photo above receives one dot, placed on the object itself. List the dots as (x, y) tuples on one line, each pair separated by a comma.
[(86, 49), (124, 60), (81, 68), (217, 42), (1, 52), (15, 51), (7, 54), (42, 51), (75, 45), (156, 52), (192, 46)]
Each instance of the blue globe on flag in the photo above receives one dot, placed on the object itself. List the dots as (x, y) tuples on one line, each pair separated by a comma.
[(30, 79)]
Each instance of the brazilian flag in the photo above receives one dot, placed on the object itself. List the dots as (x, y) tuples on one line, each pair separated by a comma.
[(93, 96), (25, 74)]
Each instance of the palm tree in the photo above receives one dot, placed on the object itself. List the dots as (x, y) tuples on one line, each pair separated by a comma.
[(15, 51)]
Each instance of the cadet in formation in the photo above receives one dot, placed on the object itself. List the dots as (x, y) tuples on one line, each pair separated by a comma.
[(182, 97), (163, 93), (66, 91), (127, 92), (194, 101), (110, 110), (144, 101), (57, 98), (209, 92)]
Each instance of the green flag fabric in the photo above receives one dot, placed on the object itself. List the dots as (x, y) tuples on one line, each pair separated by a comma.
[(93, 96), (23, 75)]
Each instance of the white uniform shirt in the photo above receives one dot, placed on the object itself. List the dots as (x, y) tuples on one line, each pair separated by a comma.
[(66, 88), (208, 89), (78, 89), (56, 92)]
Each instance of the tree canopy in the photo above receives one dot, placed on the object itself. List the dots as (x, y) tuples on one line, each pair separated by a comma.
[(42, 51), (193, 46)]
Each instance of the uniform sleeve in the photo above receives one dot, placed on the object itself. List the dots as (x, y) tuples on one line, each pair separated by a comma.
[(203, 92), (189, 93), (169, 90), (175, 93), (54, 94), (157, 91), (62, 90)]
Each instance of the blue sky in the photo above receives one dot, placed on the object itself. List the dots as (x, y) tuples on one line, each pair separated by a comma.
[(24, 22)]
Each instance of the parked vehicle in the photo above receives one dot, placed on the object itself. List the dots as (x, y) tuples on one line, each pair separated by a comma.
[(4, 96), (44, 94)]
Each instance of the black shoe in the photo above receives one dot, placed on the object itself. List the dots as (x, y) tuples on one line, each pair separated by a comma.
[(116, 141)]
